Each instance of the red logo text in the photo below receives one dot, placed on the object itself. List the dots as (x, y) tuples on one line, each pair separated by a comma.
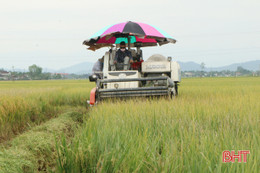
[(228, 156)]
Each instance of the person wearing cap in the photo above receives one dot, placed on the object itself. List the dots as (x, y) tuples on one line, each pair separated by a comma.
[(123, 58)]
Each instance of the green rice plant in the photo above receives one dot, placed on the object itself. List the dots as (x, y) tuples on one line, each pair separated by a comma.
[(26, 103), (186, 134), (33, 151)]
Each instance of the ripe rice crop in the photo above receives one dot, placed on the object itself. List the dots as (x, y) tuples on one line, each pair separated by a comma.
[(186, 134), (32, 151), (25, 103)]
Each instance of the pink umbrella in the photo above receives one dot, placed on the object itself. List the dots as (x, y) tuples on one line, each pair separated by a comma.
[(130, 32)]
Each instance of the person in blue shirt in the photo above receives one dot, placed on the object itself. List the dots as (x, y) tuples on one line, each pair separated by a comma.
[(123, 58)]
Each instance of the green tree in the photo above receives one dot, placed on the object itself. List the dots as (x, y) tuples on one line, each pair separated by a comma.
[(35, 72), (45, 76), (243, 71), (57, 76)]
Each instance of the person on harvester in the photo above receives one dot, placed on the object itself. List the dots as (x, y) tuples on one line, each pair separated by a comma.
[(123, 58), (98, 68)]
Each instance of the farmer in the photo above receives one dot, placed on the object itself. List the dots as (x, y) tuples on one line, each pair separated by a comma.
[(123, 58), (98, 67)]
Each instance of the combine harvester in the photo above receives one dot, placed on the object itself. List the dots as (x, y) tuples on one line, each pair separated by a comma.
[(157, 76)]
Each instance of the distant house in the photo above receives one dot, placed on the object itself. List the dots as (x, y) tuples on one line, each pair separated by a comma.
[(4, 75), (238, 74), (62, 75), (188, 74)]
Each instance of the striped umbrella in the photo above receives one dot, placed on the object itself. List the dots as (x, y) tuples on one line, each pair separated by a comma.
[(133, 32)]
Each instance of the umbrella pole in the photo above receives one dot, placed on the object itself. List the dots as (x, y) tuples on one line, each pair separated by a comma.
[(128, 39)]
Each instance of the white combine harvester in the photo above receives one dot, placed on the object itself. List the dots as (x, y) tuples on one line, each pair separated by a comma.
[(157, 76)]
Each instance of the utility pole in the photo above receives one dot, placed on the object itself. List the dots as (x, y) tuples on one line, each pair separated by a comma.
[(202, 66), (13, 73), (258, 74)]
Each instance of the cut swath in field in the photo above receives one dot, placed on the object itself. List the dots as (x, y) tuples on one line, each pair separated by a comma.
[(35, 150)]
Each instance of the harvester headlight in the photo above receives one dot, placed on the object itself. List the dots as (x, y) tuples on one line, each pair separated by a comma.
[(116, 85), (93, 78)]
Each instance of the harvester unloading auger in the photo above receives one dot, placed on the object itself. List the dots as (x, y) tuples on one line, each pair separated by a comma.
[(157, 76)]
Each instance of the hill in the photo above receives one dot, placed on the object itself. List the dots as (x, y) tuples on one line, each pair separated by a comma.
[(86, 67), (249, 65), (82, 68)]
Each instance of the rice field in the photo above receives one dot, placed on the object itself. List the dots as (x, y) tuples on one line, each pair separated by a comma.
[(187, 134), (27, 103), (34, 150)]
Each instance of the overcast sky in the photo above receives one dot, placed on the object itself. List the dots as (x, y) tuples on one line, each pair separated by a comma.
[(50, 33)]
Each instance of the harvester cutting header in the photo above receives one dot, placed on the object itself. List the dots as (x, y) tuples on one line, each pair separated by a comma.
[(124, 73)]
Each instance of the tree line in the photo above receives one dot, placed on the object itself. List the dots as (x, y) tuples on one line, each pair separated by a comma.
[(224, 73), (35, 73)]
